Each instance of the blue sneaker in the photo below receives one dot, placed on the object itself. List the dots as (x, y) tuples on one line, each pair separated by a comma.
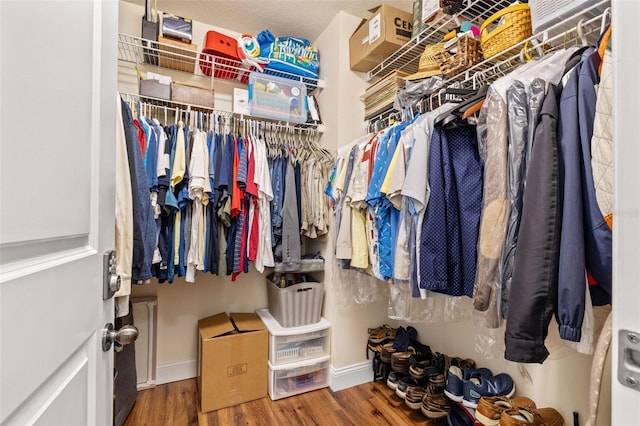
[(456, 377), (479, 386)]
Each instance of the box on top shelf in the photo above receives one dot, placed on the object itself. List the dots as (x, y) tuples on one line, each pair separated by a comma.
[(232, 360), (277, 98), (177, 55), (378, 37)]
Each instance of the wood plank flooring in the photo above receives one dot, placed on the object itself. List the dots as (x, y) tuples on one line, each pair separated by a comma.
[(176, 404)]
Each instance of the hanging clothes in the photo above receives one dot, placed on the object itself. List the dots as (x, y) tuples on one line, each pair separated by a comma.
[(449, 233)]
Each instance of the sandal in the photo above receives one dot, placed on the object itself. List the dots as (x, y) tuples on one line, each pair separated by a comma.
[(379, 336)]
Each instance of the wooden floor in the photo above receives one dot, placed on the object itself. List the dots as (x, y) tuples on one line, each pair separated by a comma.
[(175, 404)]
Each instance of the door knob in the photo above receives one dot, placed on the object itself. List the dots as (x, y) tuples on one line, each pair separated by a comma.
[(127, 334)]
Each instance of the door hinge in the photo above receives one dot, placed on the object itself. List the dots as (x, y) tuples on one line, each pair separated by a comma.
[(629, 359)]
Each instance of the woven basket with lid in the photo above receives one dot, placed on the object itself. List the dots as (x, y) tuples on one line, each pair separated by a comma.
[(513, 26)]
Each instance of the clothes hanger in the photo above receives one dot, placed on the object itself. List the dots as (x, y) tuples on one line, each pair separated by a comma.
[(580, 33)]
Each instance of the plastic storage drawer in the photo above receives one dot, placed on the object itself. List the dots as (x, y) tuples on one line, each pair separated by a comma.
[(296, 343), (296, 378), (295, 305), (277, 98)]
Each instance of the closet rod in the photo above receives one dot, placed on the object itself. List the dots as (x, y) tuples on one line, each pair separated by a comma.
[(163, 103)]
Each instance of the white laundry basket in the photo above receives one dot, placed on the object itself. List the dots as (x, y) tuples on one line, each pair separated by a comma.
[(295, 305)]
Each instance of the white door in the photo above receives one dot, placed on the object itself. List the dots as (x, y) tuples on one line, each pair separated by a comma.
[(626, 291), (57, 138)]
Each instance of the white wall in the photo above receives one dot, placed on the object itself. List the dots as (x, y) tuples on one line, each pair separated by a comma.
[(343, 113)]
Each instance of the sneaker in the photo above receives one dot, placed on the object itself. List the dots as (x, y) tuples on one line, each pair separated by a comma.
[(459, 415), (478, 386), (393, 379), (531, 417), (404, 383), (400, 361), (414, 396), (456, 378), (404, 338), (437, 384), (490, 408), (435, 406)]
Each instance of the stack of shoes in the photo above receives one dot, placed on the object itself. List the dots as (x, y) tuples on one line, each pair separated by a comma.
[(490, 409), (531, 417), (457, 377)]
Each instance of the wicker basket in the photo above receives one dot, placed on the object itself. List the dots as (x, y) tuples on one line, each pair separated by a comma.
[(468, 53), (515, 28)]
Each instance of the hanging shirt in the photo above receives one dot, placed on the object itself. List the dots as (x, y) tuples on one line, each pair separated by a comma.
[(262, 178), (290, 228), (143, 223), (450, 229)]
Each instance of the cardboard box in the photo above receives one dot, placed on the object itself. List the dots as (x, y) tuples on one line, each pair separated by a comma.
[(232, 360), (378, 37), (177, 55)]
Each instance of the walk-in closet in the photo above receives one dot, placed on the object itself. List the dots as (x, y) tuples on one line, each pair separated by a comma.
[(319, 212)]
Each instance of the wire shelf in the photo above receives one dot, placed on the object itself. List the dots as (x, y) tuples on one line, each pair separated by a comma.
[(182, 108), (583, 28), (139, 51), (407, 57)]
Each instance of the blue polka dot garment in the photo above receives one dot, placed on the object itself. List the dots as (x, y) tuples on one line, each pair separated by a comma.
[(449, 237)]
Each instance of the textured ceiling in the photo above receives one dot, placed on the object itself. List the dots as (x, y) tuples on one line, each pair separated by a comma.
[(301, 18)]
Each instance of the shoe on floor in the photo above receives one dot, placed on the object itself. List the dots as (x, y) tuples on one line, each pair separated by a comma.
[(479, 386), (531, 417), (414, 396), (490, 408), (460, 415), (456, 378), (393, 379), (405, 383), (435, 405)]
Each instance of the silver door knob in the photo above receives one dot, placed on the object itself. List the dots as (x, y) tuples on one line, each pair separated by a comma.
[(114, 283), (124, 336)]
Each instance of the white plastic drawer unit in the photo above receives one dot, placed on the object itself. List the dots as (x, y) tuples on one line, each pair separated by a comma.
[(293, 344), (296, 378)]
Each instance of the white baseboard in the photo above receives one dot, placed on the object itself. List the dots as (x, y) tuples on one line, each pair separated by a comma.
[(339, 378), (168, 372), (349, 376)]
